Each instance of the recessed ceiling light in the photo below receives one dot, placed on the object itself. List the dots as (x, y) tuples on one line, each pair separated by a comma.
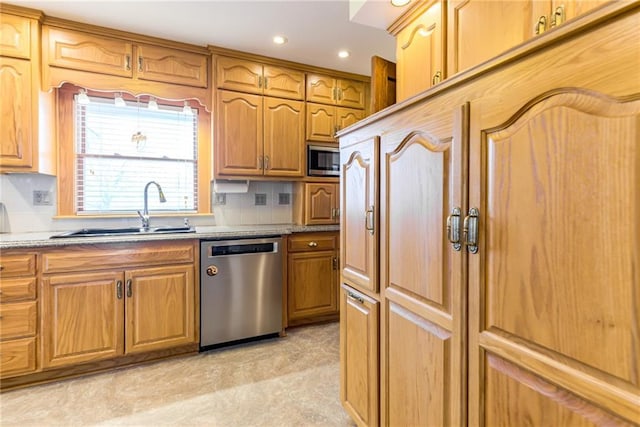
[(400, 3), (344, 54), (279, 39)]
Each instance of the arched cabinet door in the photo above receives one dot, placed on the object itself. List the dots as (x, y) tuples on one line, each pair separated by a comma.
[(422, 174), (553, 303)]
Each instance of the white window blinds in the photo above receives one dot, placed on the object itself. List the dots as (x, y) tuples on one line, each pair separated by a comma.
[(118, 149)]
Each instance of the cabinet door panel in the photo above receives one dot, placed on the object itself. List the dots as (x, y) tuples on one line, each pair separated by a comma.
[(359, 356), (83, 319), (558, 206), (16, 137), (283, 83), (239, 134), (283, 137), (482, 29), (321, 89), (321, 123), (18, 319), (17, 357), (313, 290), (162, 64), (87, 52), (15, 36), (347, 116), (320, 203), (236, 74), (350, 93), (423, 349), (359, 213), (420, 53), (160, 308)]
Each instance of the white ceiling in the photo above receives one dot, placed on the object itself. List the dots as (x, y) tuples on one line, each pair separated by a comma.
[(316, 29)]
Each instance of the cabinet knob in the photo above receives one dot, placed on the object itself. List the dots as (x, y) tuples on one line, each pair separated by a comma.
[(212, 270), (313, 244)]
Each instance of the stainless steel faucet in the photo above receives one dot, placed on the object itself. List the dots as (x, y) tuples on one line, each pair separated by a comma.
[(145, 213)]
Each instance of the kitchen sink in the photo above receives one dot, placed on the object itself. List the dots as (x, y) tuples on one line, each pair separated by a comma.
[(97, 232)]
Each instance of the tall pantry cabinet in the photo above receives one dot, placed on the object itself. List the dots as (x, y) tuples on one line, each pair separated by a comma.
[(508, 241)]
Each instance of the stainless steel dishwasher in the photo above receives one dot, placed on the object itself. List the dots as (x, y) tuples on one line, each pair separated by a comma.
[(240, 290)]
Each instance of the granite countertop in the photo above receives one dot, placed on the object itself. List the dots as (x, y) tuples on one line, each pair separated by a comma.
[(42, 239)]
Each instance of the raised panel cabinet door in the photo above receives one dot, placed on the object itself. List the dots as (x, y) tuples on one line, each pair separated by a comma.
[(420, 53), (17, 357), (351, 93), (321, 89), (422, 174), (345, 117), (16, 137), (239, 133), (359, 368), (321, 202), (553, 303), (87, 52), (15, 36), (312, 287), (480, 30), (284, 146), (283, 83), (321, 123), (359, 214), (82, 318), (160, 308), (240, 75), (161, 64)]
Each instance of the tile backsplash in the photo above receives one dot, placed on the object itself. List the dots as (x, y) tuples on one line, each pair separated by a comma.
[(23, 211)]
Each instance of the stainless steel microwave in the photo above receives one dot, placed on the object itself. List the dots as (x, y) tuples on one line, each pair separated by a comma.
[(323, 161)]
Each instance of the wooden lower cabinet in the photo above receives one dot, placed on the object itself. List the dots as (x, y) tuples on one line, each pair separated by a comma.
[(312, 278), (359, 320), (119, 311)]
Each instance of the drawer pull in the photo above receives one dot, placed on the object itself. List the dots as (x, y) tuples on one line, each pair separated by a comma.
[(355, 297), (313, 244), (129, 290), (1, 267)]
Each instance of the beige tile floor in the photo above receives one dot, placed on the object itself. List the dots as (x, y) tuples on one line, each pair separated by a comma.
[(290, 381)]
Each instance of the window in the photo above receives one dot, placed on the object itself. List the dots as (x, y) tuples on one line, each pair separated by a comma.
[(115, 150)]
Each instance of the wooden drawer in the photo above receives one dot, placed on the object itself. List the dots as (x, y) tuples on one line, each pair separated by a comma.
[(13, 265), (17, 357), (18, 319), (110, 256), (312, 242), (17, 289)]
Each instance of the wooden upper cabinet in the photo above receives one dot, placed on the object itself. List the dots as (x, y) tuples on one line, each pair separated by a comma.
[(359, 214), (239, 131), (252, 77), (420, 52), (479, 30), (166, 65), (323, 121), (16, 131), (15, 36), (284, 147), (334, 91), (87, 52), (321, 203)]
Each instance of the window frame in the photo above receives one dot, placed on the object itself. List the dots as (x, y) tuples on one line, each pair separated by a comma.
[(66, 177)]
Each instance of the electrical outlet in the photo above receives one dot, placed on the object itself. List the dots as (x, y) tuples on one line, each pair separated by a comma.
[(284, 198), (42, 198), (261, 199), (220, 199)]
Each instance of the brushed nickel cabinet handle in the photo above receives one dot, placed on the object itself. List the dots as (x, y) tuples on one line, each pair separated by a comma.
[(266, 163), (119, 289), (470, 230), (453, 228), (437, 78), (260, 81), (140, 63), (369, 220), (129, 290), (127, 62), (541, 25), (355, 297)]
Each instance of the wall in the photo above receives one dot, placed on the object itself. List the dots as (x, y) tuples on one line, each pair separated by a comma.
[(18, 214)]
